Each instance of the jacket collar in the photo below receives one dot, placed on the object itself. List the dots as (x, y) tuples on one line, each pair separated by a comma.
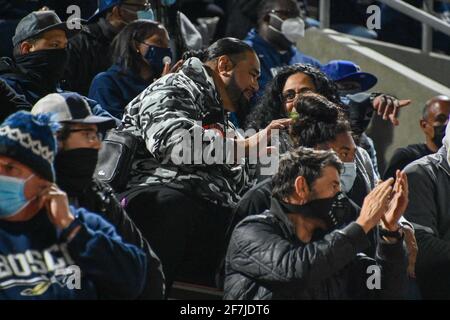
[(35, 87), (194, 69), (442, 158), (281, 215)]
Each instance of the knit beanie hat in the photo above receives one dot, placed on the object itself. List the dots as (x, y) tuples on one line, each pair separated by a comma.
[(30, 140)]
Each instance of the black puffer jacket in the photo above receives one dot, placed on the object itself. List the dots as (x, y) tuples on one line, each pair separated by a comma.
[(266, 260), (99, 198), (429, 212), (88, 55)]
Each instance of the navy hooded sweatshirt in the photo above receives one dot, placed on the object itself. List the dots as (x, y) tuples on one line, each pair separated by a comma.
[(37, 262)]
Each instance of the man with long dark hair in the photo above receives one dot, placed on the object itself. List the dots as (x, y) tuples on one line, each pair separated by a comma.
[(184, 207)]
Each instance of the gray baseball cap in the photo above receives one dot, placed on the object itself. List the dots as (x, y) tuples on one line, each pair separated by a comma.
[(38, 22)]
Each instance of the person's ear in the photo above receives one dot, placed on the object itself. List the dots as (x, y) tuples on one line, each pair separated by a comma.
[(266, 18), (26, 47), (301, 189), (139, 47), (225, 66), (114, 14), (425, 126)]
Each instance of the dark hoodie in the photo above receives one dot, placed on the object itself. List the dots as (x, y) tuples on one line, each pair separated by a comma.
[(31, 86)]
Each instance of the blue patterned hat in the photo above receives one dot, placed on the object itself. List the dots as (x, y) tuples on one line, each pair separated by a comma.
[(30, 140)]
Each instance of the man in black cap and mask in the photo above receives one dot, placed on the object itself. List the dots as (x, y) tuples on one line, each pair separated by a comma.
[(298, 250), (89, 51), (79, 142), (433, 124), (40, 56)]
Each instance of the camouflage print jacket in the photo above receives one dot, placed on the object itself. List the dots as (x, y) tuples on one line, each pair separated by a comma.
[(180, 101)]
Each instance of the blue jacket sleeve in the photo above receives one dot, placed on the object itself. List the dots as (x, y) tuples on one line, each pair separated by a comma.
[(99, 111), (106, 93), (117, 269)]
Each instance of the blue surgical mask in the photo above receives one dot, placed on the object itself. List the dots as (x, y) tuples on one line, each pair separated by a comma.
[(156, 57), (146, 15), (348, 176), (12, 196)]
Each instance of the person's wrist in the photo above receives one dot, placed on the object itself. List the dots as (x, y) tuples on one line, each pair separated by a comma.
[(68, 233), (394, 227), (73, 233), (66, 221), (374, 95), (392, 235), (364, 225)]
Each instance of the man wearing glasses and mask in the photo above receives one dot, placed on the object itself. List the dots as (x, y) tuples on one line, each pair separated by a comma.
[(89, 50), (280, 27), (43, 238), (79, 141)]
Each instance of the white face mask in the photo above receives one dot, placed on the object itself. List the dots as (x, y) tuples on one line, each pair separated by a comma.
[(292, 29), (348, 176)]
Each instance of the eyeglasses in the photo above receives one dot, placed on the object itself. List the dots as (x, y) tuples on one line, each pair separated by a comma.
[(285, 13), (89, 134), (289, 95)]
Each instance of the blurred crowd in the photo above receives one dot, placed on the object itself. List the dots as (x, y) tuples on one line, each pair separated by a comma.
[(137, 140)]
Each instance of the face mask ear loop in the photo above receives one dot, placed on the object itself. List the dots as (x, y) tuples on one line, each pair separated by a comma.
[(29, 178), (273, 15), (33, 198)]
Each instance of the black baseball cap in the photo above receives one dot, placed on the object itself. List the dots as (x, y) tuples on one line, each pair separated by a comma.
[(38, 22)]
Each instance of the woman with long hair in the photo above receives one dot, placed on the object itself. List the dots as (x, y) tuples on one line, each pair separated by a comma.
[(141, 54), (278, 99)]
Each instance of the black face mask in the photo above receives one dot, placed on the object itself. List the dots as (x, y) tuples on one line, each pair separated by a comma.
[(335, 211), (75, 169), (44, 65), (439, 134), (360, 117)]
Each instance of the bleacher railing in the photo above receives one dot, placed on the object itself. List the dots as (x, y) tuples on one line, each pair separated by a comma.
[(424, 15)]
